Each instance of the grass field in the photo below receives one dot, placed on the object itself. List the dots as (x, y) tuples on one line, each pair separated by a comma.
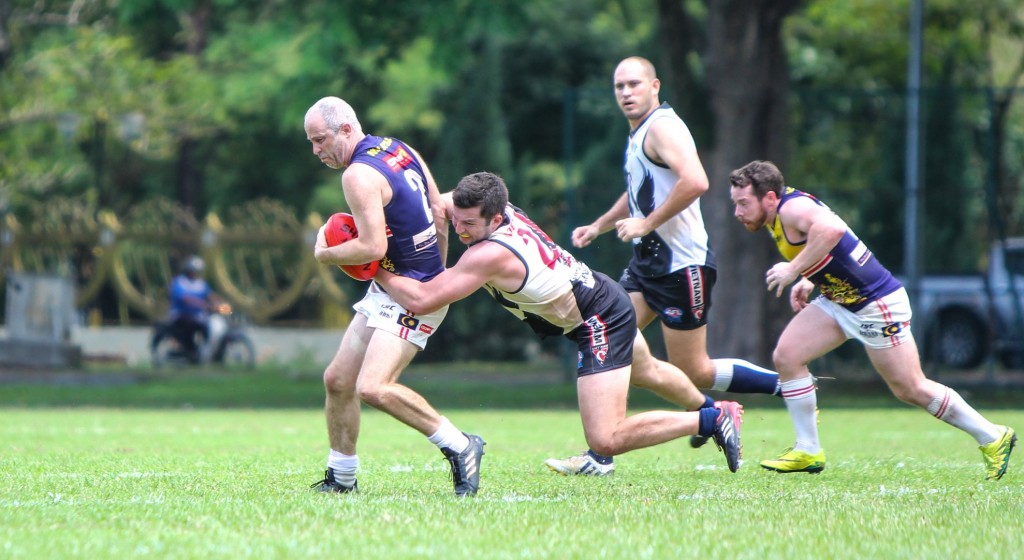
[(104, 482)]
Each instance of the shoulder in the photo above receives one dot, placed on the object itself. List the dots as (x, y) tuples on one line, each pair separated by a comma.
[(668, 130), (358, 174), (797, 203)]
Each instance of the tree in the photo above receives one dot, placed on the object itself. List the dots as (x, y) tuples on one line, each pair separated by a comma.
[(745, 66)]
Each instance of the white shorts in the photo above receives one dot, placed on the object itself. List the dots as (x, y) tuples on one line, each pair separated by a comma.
[(883, 323), (383, 312)]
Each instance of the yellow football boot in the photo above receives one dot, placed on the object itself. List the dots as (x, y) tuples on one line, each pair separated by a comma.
[(796, 461), (997, 454)]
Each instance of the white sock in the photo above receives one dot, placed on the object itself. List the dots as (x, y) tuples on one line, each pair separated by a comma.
[(344, 467), (802, 402), (723, 374), (952, 409), (448, 436)]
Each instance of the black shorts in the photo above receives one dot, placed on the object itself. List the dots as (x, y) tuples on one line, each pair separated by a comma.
[(681, 299), (605, 339)]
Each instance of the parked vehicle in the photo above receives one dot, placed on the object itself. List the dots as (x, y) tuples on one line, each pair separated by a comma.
[(228, 343), (970, 318)]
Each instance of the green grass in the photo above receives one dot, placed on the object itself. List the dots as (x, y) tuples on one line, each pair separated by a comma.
[(203, 483)]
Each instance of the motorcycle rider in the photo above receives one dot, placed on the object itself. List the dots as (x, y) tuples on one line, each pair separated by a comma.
[(192, 299)]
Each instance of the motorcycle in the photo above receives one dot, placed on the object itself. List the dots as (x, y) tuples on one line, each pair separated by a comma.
[(228, 343)]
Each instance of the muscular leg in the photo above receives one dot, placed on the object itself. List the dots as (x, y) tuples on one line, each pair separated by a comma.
[(378, 385), (342, 403), (350, 378), (663, 378), (900, 367), (811, 334), (687, 351), (602, 401)]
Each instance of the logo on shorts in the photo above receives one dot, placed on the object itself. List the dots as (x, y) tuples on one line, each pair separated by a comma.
[(598, 337), (579, 360), (892, 329), (697, 291), (673, 313), (408, 322)]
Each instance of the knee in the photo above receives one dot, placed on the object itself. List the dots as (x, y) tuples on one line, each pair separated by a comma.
[(786, 359), (910, 392), (374, 395), (336, 383), (602, 442), (602, 445)]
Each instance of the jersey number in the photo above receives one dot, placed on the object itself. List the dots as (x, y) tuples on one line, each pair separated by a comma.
[(549, 254), (415, 180)]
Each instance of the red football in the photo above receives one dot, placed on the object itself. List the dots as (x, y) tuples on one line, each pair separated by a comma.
[(340, 228)]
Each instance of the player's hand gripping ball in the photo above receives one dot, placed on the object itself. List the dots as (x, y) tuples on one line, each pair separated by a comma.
[(340, 228)]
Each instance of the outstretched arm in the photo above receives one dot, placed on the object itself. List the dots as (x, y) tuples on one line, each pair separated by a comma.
[(483, 263)]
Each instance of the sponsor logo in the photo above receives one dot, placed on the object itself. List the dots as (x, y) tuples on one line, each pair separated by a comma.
[(426, 329), (598, 337), (892, 329), (579, 360), (398, 160), (696, 292), (869, 330), (860, 253), (424, 239), (673, 312), (385, 143), (408, 322), (598, 334)]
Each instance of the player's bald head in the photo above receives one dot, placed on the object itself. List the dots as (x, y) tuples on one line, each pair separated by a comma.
[(639, 63)]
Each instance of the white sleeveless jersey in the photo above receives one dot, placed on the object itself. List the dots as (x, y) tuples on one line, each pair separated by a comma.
[(682, 240), (546, 299)]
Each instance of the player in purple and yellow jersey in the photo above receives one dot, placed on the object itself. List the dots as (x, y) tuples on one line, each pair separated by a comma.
[(858, 299)]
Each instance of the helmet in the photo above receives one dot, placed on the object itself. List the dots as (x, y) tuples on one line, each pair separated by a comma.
[(193, 264)]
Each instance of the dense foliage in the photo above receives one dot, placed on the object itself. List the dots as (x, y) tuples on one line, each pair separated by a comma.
[(202, 101)]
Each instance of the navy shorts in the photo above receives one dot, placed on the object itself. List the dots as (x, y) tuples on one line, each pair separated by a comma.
[(605, 339), (681, 299)]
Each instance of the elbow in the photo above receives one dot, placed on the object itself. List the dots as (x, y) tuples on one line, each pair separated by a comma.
[(836, 235), (377, 251), (422, 307)]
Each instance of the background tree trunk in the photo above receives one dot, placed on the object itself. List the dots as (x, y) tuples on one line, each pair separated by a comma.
[(191, 176), (5, 38), (747, 74)]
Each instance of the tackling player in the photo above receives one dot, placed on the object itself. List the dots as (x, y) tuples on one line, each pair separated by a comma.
[(543, 285)]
